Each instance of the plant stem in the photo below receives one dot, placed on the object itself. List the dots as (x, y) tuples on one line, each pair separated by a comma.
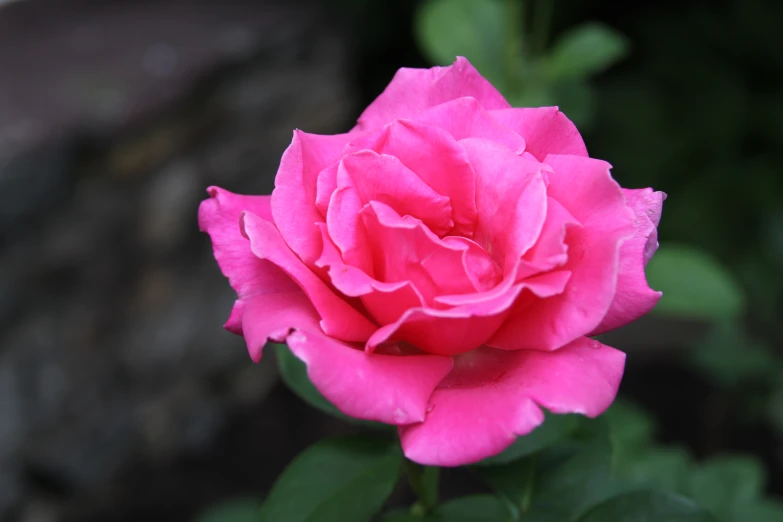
[(527, 492), (424, 482)]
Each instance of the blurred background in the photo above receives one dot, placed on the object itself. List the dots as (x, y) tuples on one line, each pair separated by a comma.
[(121, 396)]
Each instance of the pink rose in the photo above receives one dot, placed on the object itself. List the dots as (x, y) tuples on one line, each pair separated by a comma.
[(441, 266)]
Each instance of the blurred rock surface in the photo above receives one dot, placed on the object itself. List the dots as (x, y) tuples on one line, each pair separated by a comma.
[(111, 306)]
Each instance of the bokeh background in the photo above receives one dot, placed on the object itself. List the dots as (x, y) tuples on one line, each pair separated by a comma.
[(123, 399)]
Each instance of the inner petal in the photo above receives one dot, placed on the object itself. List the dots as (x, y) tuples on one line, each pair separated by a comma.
[(550, 251), (479, 266), (383, 178), (436, 158), (403, 249), (511, 200), (385, 302)]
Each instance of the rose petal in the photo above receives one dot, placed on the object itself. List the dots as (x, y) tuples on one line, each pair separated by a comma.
[(586, 189), (404, 249), (385, 388), (474, 317), (436, 157), (481, 269), (248, 275), (413, 90), (273, 317), (546, 130), (541, 285), (466, 118), (493, 396), (386, 302), (293, 199), (338, 318), (446, 332), (634, 297), (550, 250), (326, 185), (453, 330), (346, 229), (383, 178), (511, 200)]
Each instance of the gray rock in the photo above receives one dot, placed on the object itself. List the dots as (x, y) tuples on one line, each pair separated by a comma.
[(167, 207), (112, 350)]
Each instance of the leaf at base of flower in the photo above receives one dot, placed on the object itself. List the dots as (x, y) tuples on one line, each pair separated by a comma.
[(337, 480)]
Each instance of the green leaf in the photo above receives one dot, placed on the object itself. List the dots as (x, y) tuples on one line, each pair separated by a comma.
[(631, 427), (236, 510), (694, 284), (474, 508), (553, 429), (562, 480), (576, 475), (661, 469), (294, 374), (775, 407), (647, 506), (480, 31), (400, 515), (407, 517), (762, 511), (584, 51), (729, 357), (341, 480), (542, 517), (514, 481), (723, 483)]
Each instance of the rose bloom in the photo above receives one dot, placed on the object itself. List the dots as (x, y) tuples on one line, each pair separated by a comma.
[(441, 266)]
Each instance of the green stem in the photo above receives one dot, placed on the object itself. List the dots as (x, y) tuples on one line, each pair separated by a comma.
[(527, 492), (424, 483)]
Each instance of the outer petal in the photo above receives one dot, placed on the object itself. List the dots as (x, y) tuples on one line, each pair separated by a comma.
[(413, 90), (586, 189), (466, 118), (386, 388), (338, 318), (247, 274), (273, 317), (546, 130), (634, 297), (493, 396), (293, 199)]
